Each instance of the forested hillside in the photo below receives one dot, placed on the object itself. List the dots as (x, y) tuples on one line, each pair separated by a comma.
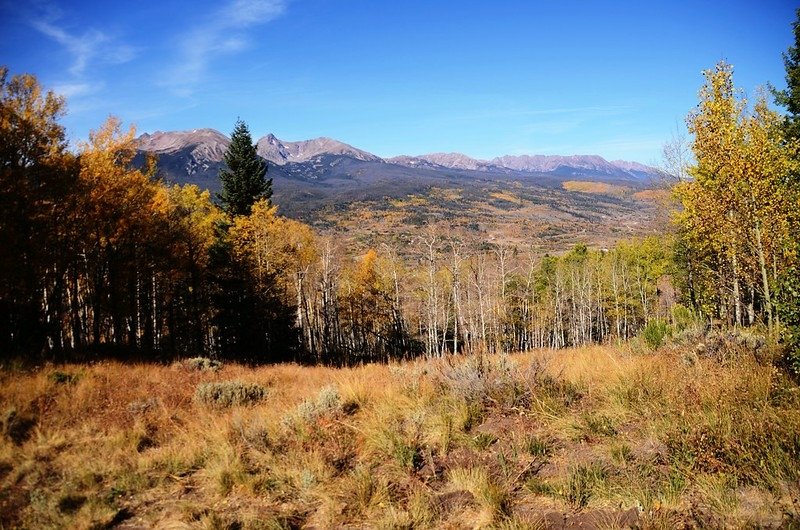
[(110, 262)]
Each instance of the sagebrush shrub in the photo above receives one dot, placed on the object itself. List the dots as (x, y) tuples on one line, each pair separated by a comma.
[(62, 378), (482, 380), (17, 427), (733, 345), (229, 393), (203, 364), (328, 400)]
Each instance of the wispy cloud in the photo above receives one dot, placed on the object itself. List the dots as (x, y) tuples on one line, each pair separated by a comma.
[(79, 89), (81, 79), (86, 47), (225, 32)]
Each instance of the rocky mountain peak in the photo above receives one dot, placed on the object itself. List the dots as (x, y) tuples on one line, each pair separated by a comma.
[(209, 144), (280, 152), (453, 160)]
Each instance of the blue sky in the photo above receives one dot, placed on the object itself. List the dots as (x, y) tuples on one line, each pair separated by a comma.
[(398, 77)]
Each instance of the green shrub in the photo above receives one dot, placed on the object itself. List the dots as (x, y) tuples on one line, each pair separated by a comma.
[(229, 393), (791, 359), (538, 447), (683, 318), (582, 482), (62, 378), (203, 364), (786, 295), (654, 333)]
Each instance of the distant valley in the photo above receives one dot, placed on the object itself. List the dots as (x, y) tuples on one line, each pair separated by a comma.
[(548, 200)]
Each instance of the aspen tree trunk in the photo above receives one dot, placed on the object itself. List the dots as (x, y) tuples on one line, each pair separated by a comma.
[(445, 321), (76, 339), (642, 292), (737, 299), (458, 317), (432, 296), (764, 278), (481, 311), (615, 288), (472, 317), (626, 293)]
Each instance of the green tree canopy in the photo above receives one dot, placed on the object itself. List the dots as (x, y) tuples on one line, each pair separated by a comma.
[(244, 179), (790, 97)]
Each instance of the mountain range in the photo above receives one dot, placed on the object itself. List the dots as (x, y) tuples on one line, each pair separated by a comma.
[(332, 185), (324, 181), (195, 155)]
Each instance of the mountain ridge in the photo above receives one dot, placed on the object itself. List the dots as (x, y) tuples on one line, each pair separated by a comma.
[(205, 147), (332, 185)]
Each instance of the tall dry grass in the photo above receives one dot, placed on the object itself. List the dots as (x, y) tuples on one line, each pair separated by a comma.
[(599, 433)]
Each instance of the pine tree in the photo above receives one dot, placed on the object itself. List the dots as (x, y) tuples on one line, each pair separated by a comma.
[(788, 283), (243, 180), (790, 97)]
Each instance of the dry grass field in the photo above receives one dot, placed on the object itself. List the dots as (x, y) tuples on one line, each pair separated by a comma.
[(600, 437)]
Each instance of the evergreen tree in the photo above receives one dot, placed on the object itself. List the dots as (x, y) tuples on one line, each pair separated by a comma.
[(790, 97), (252, 322), (788, 283), (243, 179)]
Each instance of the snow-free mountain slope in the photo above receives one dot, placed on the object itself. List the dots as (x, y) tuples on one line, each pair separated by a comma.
[(196, 156), (281, 152), (207, 143)]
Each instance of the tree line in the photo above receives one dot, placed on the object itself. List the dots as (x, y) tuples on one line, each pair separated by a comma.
[(106, 260), (103, 259)]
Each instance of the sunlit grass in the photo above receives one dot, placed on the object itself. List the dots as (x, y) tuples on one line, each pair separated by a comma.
[(422, 444)]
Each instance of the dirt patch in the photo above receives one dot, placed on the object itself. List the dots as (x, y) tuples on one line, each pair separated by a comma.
[(586, 520), (650, 450), (12, 501), (455, 500), (501, 425), (759, 509)]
